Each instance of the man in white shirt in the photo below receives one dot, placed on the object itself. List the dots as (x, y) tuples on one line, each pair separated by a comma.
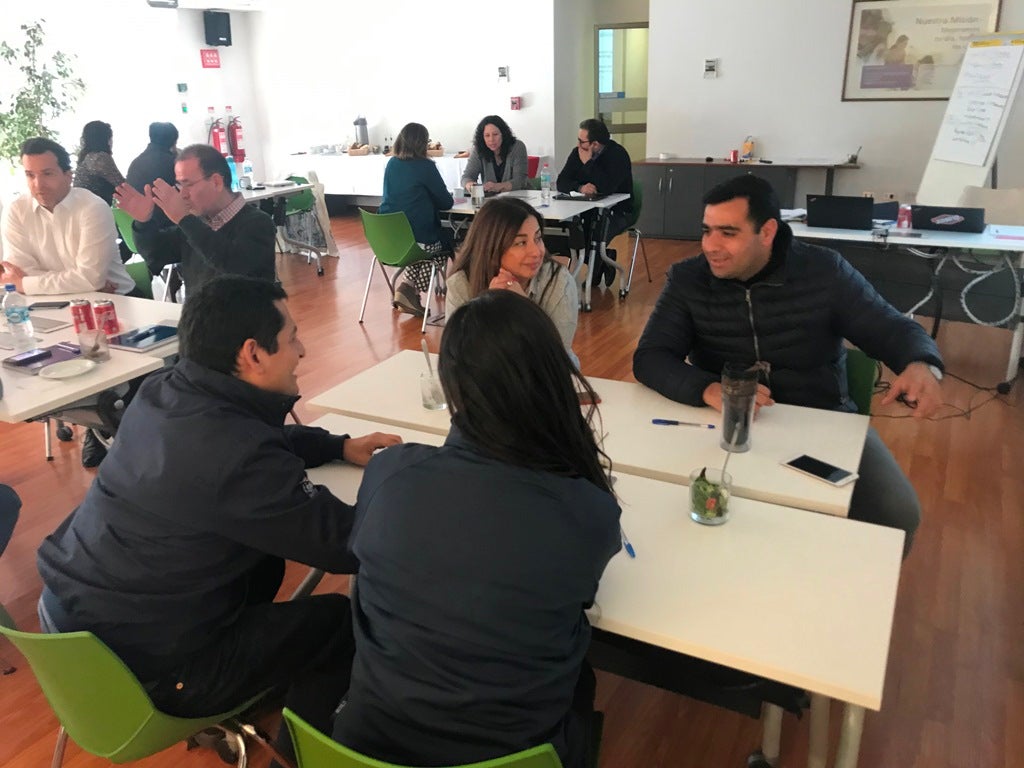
[(59, 239)]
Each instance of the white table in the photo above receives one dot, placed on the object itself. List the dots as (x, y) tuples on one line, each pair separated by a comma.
[(363, 176), (1007, 241), (561, 211), (699, 590), (389, 392)]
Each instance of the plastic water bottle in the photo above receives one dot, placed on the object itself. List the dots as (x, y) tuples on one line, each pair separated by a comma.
[(545, 185), (248, 172), (18, 322), (234, 173)]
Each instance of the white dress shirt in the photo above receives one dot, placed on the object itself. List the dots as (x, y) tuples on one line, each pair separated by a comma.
[(70, 250)]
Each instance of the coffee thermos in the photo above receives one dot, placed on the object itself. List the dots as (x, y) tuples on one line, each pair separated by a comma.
[(362, 136)]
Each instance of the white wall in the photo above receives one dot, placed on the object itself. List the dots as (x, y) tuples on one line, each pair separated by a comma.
[(435, 64), (781, 81)]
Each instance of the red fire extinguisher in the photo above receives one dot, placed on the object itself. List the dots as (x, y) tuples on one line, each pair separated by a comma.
[(236, 142), (217, 136)]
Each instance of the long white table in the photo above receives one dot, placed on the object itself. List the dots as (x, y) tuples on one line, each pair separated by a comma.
[(738, 594), (30, 397), (389, 393), (363, 176), (1006, 241)]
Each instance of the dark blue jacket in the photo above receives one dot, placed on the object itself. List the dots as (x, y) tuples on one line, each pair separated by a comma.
[(795, 317), (201, 485), (468, 610), (416, 188)]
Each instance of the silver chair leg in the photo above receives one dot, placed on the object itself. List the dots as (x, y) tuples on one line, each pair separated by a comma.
[(849, 737), (58, 750), (430, 293), (305, 589), (771, 736), (47, 446), (817, 749), (366, 293)]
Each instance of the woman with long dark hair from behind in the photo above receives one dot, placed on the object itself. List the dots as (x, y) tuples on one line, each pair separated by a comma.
[(96, 169), (497, 157), (478, 558), (504, 250)]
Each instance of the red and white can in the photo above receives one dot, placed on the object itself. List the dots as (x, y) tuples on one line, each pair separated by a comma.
[(81, 315), (106, 317), (904, 219), (734, 155)]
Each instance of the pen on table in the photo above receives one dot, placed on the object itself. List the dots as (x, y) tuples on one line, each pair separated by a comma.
[(674, 423), (625, 543)]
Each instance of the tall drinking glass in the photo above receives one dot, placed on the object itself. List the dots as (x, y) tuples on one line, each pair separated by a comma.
[(739, 392)]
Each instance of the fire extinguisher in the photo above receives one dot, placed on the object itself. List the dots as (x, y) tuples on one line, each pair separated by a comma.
[(217, 136), (236, 142)]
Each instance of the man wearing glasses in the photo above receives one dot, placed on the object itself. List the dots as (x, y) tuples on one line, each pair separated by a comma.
[(213, 232), (600, 166)]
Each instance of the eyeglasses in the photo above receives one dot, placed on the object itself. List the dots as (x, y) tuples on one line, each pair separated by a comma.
[(183, 185), (581, 142)]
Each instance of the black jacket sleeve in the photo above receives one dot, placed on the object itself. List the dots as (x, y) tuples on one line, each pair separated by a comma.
[(568, 177), (157, 246), (315, 446)]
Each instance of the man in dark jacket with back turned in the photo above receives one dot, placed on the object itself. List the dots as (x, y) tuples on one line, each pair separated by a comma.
[(213, 232), (757, 295), (177, 551)]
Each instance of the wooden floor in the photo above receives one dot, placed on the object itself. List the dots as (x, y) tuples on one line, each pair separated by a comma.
[(954, 692)]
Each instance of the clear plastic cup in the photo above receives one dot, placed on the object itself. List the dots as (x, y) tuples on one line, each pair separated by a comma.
[(432, 393), (94, 344), (710, 493), (739, 393)]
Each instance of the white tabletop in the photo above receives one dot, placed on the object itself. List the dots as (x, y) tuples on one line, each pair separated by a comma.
[(557, 210), (389, 393), (254, 195), (795, 597), (998, 237), (26, 397)]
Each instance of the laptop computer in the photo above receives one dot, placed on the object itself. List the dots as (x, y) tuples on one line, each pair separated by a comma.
[(840, 211), (947, 219)]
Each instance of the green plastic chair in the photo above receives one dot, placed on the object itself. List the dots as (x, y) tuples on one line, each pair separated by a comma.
[(124, 228), (304, 202), (638, 202), (861, 375), (390, 236), (101, 704), (315, 750), (139, 272)]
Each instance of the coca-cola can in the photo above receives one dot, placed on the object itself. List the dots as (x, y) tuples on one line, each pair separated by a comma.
[(106, 317), (734, 155), (81, 315)]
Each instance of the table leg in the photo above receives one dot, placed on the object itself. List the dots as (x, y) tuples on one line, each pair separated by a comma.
[(830, 176), (305, 589), (771, 735), (849, 736), (817, 749), (1015, 344)]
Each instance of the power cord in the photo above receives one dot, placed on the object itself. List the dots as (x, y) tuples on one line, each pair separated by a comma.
[(958, 412)]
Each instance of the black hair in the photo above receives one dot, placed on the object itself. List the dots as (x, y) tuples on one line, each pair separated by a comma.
[(596, 130), (40, 146), (211, 161), (218, 319), (512, 389), (507, 137), (96, 136), (761, 198), (163, 134)]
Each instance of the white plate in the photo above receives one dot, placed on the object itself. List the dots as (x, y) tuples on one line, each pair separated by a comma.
[(67, 369)]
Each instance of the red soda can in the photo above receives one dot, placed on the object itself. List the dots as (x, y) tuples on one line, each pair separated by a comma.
[(904, 218), (106, 317), (81, 315), (734, 155)]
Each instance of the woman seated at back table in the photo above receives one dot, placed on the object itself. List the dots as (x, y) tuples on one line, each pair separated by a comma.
[(413, 185), (478, 558), (504, 250), (497, 156)]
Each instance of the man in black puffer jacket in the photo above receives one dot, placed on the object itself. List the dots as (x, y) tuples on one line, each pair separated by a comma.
[(756, 294)]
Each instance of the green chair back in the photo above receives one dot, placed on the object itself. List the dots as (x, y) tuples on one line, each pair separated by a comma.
[(861, 373), (391, 238), (139, 272), (124, 228), (97, 699), (301, 202), (314, 750), (638, 202)]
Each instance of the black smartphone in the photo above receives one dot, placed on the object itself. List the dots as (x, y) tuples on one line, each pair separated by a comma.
[(49, 305), (27, 358), (821, 470)]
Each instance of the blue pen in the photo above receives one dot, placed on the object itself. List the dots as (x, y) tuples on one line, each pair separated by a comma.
[(674, 423), (625, 543)]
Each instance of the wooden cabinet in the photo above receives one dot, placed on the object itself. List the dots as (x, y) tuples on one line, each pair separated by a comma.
[(673, 191)]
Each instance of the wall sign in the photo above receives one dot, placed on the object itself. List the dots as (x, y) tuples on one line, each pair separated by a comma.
[(210, 58)]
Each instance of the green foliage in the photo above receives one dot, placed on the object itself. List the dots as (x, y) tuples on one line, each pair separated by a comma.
[(48, 89)]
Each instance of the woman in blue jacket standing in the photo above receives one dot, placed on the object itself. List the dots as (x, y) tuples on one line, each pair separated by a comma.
[(413, 185)]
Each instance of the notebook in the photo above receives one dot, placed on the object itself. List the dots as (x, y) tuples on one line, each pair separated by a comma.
[(945, 219), (840, 211)]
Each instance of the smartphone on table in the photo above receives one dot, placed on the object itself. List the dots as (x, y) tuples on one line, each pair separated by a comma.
[(49, 305), (821, 470)]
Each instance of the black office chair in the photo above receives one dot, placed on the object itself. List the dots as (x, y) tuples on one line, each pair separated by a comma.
[(10, 504)]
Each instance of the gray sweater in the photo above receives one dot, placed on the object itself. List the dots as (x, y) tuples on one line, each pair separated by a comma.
[(515, 167)]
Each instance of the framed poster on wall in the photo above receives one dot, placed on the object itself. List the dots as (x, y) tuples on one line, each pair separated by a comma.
[(911, 49)]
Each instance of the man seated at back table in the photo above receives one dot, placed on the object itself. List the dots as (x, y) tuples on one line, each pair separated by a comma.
[(213, 232), (756, 294), (175, 555)]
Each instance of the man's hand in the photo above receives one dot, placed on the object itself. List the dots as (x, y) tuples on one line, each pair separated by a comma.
[(506, 281), (918, 386), (139, 207), (13, 275), (359, 450), (713, 396), (170, 201), (588, 189)]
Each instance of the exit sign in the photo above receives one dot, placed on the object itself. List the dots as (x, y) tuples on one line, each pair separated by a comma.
[(210, 58)]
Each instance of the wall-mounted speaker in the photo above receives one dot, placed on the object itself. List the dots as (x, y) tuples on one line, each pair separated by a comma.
[(218, 27)]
